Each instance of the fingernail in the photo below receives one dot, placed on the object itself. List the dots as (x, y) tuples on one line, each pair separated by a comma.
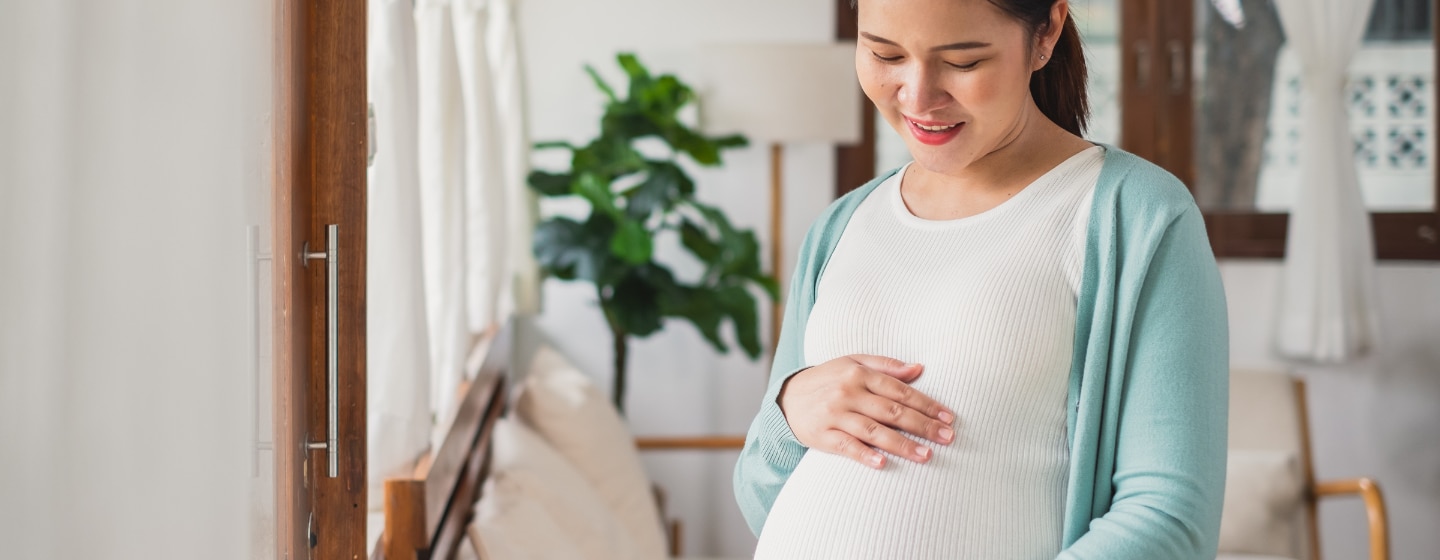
[(947, 434), (946, 417), (922, 453), (876, 461), (911, 364)]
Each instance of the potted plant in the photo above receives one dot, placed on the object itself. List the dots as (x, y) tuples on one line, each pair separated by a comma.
[(633, 197)]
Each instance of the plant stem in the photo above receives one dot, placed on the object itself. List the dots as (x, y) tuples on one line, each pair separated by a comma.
[(621, 349)]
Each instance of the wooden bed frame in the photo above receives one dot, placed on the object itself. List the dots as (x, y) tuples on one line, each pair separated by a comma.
[(426, 515)]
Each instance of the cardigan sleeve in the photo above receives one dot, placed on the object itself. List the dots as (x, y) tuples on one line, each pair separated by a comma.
[(771, 451), (1169, 469)]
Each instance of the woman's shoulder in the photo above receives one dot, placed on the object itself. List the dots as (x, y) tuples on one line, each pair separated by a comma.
[(1140, 189)]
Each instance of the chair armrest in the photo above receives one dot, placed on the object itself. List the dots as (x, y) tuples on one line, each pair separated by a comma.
[(1368, 490), (701, 442)]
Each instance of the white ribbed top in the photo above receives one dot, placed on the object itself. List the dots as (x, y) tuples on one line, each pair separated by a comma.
[(987, 304)]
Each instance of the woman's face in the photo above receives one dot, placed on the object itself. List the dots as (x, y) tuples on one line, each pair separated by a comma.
[(951, 76)]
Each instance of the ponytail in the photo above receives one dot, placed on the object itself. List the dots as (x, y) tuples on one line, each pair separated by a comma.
[(1059, 87)]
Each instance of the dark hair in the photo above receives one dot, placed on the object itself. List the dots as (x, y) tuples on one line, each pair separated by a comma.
[(1059, 87)]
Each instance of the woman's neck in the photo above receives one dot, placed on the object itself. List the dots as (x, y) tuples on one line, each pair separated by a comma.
[(1037, 147)]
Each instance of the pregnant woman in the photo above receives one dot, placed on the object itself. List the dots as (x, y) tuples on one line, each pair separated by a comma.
[(1014, 346)]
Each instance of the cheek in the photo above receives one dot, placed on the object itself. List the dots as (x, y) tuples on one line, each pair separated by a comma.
[(1002, 90), (877, 81)]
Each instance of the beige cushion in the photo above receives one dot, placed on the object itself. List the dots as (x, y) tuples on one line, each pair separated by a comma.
[(562, 404), (537, 505), (509, 526), (1262, 497)]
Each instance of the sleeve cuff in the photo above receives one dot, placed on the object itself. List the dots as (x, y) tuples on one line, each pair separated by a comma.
[(773, 419)]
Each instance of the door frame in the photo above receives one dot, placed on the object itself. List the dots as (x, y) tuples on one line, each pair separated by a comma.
[(318, 175)]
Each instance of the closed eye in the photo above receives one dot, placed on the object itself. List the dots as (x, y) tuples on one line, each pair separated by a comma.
[(970, 66), (886, 58)]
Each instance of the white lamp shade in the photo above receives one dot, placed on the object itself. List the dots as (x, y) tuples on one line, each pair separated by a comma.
[(781, 92)]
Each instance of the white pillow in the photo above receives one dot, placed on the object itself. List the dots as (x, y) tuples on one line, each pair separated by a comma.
[(1262, 499), (562, 404), (531, 482)]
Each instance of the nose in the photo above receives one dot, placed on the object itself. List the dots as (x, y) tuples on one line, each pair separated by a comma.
[(921, 91)]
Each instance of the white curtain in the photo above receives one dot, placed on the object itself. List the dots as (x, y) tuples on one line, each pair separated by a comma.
[(477, 211), (485, 196), (522, 206), (1328, 305), (442, 195), (397, 341)]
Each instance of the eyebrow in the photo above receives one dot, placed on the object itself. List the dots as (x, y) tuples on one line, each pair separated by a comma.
[(950, 47)]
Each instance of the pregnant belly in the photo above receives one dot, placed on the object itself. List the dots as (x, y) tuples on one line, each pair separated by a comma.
[(969, 501)]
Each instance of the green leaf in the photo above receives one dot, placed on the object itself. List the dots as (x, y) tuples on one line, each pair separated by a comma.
[(635, 303), (700, 308), (732, 141), (694, 238), (770, 285), (664, 186), (571, 250), (632, 243), (639, 75), (597, 191), (552, 144), (696, 146), (550, 184), (741, 307), (600, 83)]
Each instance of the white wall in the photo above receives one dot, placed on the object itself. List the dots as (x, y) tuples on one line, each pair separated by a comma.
[(129, 167), (678, 385), (1379, 418)]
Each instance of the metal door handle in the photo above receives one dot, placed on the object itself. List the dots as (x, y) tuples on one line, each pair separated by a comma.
[(253, 281), (332, 347), (1142, 64), (1177, 67)]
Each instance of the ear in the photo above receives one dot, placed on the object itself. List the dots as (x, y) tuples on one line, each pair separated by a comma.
[(1045, 42)]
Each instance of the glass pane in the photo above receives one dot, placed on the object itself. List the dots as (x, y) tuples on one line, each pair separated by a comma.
[(1099, 25), (1248, 97)]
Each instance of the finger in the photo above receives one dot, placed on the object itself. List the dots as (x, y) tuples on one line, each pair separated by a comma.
[(901, 417), (846, 445), (901, 392), (906, 372), (882, 438)]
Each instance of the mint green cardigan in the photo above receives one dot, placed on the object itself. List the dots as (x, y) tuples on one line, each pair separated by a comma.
[(1149, 384)]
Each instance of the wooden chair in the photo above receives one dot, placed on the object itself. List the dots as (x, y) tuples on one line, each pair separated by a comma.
[(1268, 413)]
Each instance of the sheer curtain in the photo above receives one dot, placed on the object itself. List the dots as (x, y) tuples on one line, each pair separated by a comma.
[(474, 162), (397, 338), (1328, 305), (442, 191)]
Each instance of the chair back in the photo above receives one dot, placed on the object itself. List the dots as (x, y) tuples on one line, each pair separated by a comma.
[(1267, 419)]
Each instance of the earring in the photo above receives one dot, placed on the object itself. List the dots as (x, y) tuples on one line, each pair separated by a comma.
[(1042, 57)]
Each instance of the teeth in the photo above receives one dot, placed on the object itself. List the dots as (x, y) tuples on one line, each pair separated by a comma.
[(935, 128)]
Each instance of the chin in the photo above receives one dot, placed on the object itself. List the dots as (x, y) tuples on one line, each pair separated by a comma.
[(942, 161)]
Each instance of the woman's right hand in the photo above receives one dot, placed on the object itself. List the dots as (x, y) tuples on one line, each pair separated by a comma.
[(857, 405)]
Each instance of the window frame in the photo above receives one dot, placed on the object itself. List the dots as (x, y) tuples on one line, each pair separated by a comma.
[(1157, 123)]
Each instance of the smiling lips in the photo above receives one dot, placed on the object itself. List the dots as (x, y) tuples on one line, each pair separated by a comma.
[(934, 133)]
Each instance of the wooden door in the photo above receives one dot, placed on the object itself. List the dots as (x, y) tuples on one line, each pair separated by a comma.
[(319, 181)]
